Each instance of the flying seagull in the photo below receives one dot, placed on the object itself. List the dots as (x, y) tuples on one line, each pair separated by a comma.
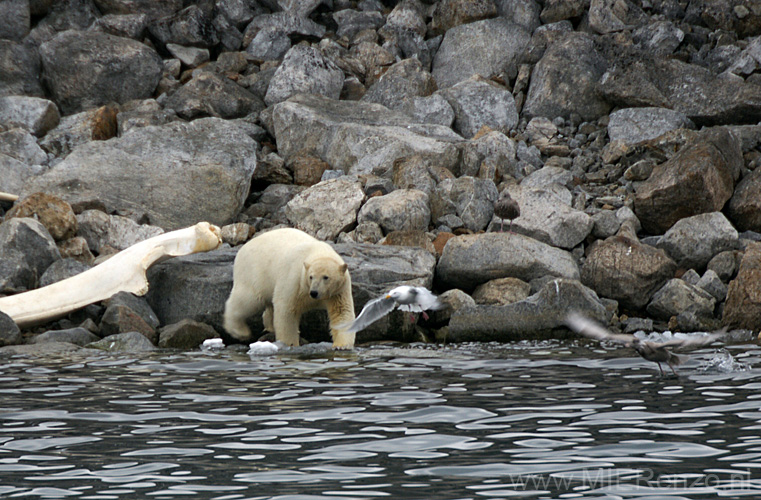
[(407, 298), (657, 352)]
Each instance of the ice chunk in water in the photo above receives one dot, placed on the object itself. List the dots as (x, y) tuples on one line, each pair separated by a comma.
[(213, 344), (262, 348)]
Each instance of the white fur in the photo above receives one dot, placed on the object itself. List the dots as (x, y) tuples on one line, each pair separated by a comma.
[(272, 273)]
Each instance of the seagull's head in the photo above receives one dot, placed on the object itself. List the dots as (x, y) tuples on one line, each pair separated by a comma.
[(402, 294)]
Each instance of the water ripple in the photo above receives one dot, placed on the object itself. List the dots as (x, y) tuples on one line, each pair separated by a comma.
[(551, 419)]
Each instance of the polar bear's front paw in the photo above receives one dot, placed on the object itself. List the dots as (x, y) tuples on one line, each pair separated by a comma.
[(343, 341)]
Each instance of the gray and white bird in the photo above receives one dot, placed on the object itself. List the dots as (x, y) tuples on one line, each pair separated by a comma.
[(657, 352), (406, 298)]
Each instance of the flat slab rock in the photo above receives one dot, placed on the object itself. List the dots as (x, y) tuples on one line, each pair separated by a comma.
[(541, 313)]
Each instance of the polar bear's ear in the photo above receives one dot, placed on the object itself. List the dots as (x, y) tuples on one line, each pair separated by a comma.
[(344, 267)]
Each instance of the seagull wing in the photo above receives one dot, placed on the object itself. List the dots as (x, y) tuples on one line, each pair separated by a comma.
[(695, 341), (585, 326), (372, 312), (428, 301), (424, 300)]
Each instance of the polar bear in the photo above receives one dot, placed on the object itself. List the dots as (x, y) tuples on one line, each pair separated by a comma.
[(286, 272)]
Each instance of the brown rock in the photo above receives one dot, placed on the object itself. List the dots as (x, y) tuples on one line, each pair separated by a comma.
[(187, 334), (76, 248), (743, 306), (271, 170), (307, 170), (104, 124), (409, 239), (698, 179), (412, 172), (441, 240), (626, 270), (55, 214), (501, 291), (122, 319), (451, 13), (92, 125), (745, 205)]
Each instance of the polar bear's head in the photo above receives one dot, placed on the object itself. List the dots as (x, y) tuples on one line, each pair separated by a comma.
[(325, 277)]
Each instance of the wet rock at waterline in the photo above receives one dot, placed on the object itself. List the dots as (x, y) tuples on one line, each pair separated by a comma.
[(540, 314)]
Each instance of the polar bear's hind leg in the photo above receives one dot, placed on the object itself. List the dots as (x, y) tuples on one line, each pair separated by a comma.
[(238, 307)]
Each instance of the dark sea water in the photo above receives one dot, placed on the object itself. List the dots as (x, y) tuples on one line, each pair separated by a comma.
[(555, 419)]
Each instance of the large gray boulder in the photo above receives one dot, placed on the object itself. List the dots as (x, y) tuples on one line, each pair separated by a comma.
[(624, 269), (178, 174), (288, 23), (22, 145), (547, 215), (565, 78), (540, 314), (695, 91), (470, 260), (677, 296), (485, 48), (327, 208), (699, 178), (19, 69), (693, 241), (26, 251), (350, 21), (433, 109), (269, 44), (194, 287), (88, 69), (469, 198), (400, 210), (211, 95), (15, 174), (304, 69), (192, 26), (357, 137), (100, 229), (16, 19), (478, 102), (401, 82), (634, 125), (606, 16), (33, 114)]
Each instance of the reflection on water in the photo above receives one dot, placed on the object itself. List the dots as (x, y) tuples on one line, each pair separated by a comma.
[(523, 420)]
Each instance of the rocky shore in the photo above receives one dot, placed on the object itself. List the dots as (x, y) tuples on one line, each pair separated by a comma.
[(627, 131)]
